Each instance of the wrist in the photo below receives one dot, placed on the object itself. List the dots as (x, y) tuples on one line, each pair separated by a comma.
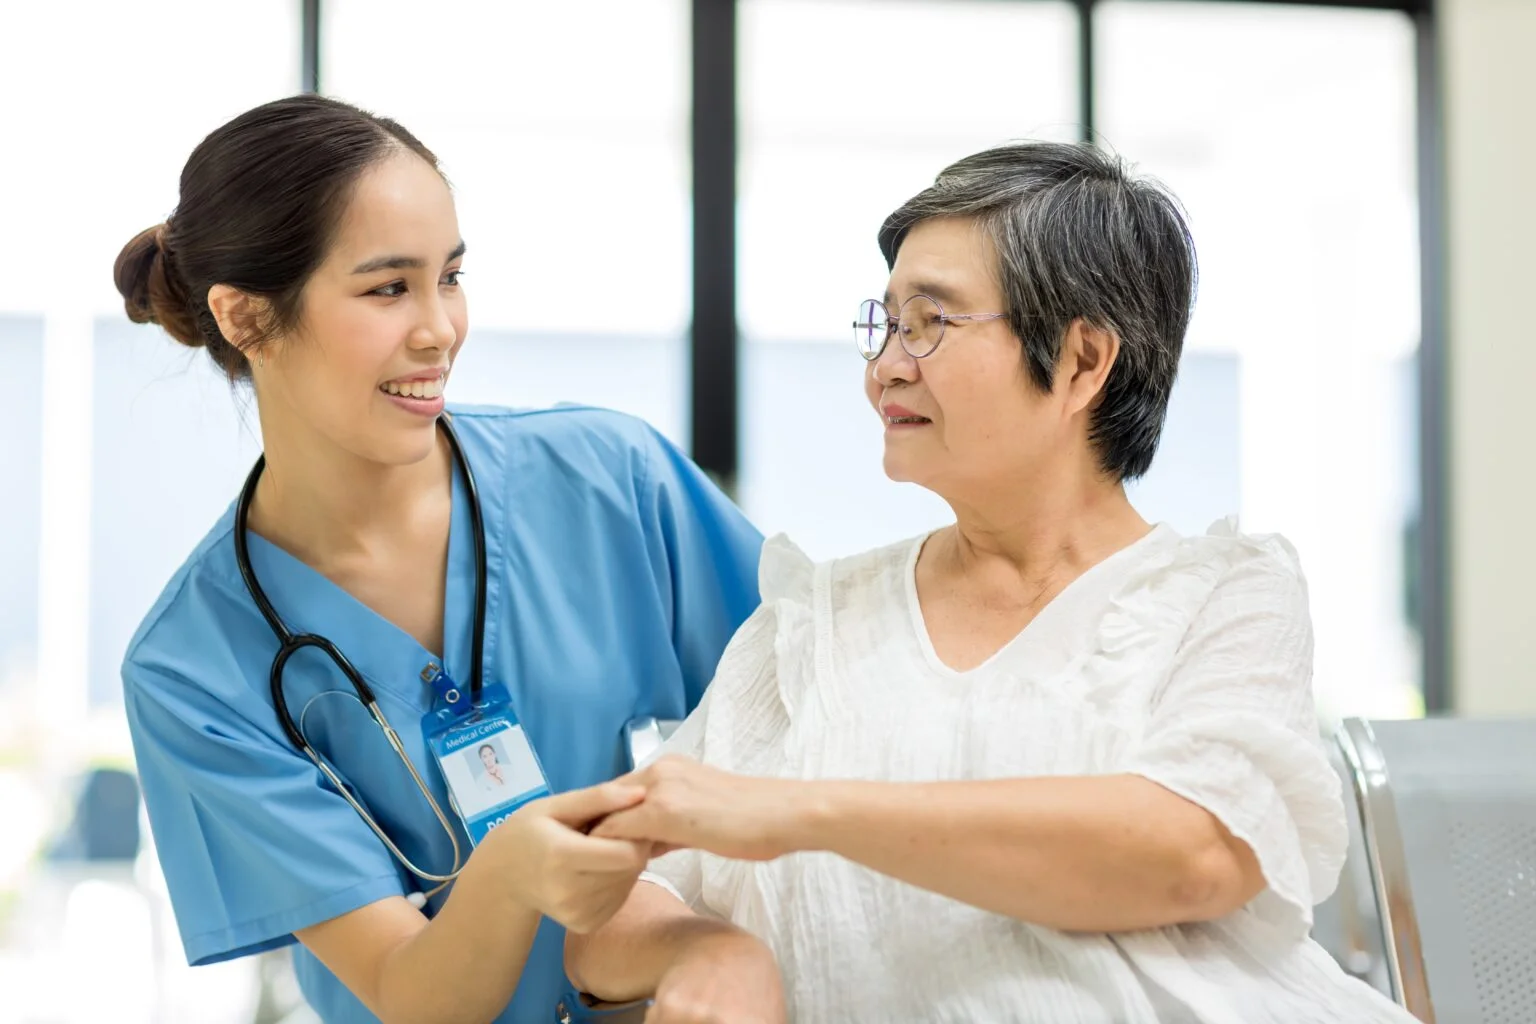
[(813, 811), (499, 875)]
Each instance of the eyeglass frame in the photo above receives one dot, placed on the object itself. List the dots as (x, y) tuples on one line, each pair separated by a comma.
[(893, 322)]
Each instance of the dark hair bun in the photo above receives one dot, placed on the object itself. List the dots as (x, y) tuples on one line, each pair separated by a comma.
[(153, 293)]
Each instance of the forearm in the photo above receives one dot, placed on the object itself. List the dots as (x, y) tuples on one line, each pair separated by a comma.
[(466, 963), (626, 958), (1104, 853)]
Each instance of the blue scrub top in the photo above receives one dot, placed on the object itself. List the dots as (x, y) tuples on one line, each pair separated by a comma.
[(617, 573)]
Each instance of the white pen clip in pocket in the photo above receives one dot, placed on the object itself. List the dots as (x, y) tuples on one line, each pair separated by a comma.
[(643, 738)]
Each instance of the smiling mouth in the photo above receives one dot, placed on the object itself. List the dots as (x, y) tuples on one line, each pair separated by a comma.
[(902, 420), (415, 388)]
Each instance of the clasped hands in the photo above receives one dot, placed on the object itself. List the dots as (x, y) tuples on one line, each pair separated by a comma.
[(719, 975), (575, 856), (689, 805)]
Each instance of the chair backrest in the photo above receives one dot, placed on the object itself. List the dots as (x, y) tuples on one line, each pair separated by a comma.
[(1448, 814), (105, 824), (1347, 923)]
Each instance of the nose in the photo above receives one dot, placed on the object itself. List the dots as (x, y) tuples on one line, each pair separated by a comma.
[(893, 365), (434, 329)]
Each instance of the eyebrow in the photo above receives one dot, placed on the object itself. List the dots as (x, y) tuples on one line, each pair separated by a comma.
[(932, 289), (403, 262)]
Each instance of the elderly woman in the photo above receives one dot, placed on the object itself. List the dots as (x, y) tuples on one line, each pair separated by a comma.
[(1049, 763)]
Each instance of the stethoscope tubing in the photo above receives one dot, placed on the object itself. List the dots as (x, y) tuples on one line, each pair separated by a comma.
[(290, 643)]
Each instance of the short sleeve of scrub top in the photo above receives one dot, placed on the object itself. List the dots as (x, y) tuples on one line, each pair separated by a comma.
[(616, 575)]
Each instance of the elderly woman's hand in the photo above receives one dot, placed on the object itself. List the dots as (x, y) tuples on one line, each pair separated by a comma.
[(688, 804)]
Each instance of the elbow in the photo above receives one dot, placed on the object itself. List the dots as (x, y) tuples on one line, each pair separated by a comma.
[(576, 947), (1214, 878), (591, 959)]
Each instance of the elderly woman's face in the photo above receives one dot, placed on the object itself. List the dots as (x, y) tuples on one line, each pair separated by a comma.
[(966, 415)]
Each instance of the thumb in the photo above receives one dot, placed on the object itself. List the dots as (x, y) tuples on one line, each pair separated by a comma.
[(580, 806)]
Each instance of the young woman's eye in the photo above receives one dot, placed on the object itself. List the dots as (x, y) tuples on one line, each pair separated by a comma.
[(451, 279), (393, 290)]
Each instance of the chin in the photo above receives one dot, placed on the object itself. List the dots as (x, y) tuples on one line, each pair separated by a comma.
[(408, 447), (900, 469)]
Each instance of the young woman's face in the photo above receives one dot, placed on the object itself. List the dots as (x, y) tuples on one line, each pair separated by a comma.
[(488, 757), (382, 320)]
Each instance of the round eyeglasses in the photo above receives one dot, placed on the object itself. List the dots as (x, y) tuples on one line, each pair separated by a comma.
[(919, 324)]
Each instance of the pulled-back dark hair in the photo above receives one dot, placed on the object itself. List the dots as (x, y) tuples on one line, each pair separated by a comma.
[(261, 199), (1077, 234)]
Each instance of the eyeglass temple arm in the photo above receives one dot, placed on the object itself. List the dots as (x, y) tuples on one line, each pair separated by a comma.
[(971, 316)]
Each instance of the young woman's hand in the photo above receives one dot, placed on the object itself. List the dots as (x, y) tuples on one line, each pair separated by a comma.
[(554, 867)]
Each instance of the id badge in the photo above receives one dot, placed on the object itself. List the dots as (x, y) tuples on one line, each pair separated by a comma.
[(485, 757)]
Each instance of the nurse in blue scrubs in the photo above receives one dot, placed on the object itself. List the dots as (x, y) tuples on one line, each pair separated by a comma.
[(315, 253)]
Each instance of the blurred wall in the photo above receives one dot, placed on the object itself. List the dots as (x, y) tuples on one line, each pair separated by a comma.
[(1490, 82)]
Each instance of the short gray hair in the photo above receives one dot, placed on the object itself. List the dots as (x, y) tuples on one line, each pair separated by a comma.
[(1077, 235)]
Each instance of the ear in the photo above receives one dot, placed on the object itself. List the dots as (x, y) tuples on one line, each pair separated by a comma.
[(1088, 353), (238, 314)]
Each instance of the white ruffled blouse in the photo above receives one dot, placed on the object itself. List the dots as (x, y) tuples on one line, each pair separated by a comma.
[(1184, 660)]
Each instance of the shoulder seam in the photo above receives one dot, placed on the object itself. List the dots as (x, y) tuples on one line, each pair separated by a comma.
[(164, 602)]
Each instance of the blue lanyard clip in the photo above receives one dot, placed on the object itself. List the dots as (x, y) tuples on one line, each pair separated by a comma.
[(445, 690)]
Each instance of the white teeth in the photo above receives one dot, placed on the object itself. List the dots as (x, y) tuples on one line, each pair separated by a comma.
[(415, 388)]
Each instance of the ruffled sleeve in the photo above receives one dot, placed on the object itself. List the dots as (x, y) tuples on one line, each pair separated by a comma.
[(740, 724), (1234, 729)]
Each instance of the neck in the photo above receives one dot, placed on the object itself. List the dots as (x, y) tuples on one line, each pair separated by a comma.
[(1044, 528), (324, 504)]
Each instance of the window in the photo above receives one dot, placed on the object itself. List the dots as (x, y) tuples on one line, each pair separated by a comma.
[(1298, 173), (563, 128), (848, 108), (119, 507), (121, 448)]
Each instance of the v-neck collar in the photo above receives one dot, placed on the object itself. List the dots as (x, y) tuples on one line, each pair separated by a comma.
[(388, 657), (1056, 606)]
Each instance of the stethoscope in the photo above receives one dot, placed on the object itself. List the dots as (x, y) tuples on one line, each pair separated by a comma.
[(292, 643)]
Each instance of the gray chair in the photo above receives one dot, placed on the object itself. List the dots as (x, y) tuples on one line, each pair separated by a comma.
[(1347, 924), (1448, 817)]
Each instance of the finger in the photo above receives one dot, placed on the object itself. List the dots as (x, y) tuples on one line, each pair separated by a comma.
[(651, 773), (597, 855), (580, 806), (638, 777), (630, 824), (635, 858), (644, 824)]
